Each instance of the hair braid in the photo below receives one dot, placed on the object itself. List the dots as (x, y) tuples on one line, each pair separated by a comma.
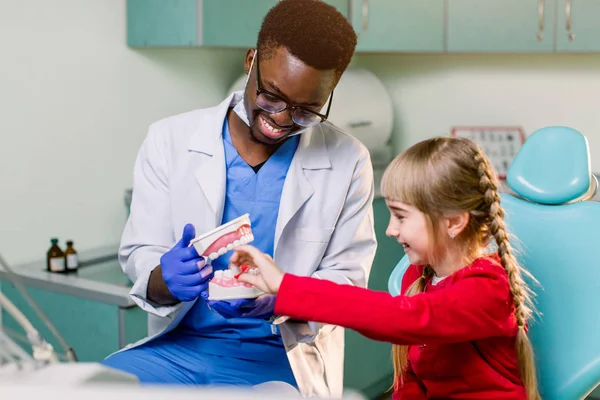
[(521, 294)]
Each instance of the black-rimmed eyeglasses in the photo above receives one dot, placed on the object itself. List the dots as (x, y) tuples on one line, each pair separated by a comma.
[(274, 104)]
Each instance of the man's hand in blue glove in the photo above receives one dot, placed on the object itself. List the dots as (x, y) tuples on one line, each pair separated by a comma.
[(262, 307), (183, 270)]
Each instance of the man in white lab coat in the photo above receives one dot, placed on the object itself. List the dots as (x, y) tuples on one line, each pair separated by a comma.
[(308, 187)]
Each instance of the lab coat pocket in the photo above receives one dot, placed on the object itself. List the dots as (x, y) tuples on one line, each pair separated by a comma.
[(309, 245), (316, 235)]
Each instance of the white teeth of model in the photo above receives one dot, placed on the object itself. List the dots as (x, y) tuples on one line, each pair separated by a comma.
[(244, 240), (235, 270), (218, 274), (236, 243), (213, 256), (222, 251), (254, 271), (227, 274), (230, 246)]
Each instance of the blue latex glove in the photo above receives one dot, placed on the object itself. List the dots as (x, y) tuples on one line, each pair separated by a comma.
[(183, 270), (263, 307)]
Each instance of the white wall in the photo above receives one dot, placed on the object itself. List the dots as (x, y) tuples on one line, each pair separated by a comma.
[(75, 104), (432, 93)]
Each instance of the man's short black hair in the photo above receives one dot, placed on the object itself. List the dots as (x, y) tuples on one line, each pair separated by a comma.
[(313, 31)]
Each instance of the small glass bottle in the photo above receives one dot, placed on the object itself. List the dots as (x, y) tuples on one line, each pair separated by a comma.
[(71, 258), (55, 260)]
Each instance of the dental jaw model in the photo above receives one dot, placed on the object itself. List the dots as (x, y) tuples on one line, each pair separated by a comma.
[(225, 286), (212, 245), (226, 237)]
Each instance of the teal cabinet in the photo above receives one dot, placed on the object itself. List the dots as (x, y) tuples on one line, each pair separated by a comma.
[(501, 26), (343, 6), (399, 25), (185, 23), (160, 23), (93, 329), (233, 23), (91, 309), (368, 363), (578, 26), (236, 23)]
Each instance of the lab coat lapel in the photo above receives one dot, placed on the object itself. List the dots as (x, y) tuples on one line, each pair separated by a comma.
[(210, 174), (297, 189), (210, 168)]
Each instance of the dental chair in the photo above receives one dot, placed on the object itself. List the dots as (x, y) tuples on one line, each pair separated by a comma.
[(557, 229)]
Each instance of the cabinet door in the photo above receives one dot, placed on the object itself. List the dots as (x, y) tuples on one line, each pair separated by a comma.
[(233, 23), (162, 23), (343, 6), (178, 23), (501, 26), (399, 25), (578, 26)]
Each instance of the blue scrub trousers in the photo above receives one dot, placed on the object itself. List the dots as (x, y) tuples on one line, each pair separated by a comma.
[(166, 361)]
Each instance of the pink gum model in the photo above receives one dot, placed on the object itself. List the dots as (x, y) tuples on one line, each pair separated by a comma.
[(224, 238)]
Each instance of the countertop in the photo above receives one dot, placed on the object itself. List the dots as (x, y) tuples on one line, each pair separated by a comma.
[(99, 278)]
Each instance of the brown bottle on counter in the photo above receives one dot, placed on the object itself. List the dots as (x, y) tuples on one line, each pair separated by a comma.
[(71, 258), (55, 260)]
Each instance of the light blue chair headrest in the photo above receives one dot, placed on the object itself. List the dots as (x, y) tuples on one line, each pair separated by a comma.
[(552, 167)]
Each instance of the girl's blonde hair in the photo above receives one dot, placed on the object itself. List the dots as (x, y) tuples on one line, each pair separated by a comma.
[(445, 176)]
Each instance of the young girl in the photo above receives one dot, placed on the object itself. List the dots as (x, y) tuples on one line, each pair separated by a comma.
[(460, 328)]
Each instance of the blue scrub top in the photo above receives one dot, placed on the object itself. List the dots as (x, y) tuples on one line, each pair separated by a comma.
[(258, 194)]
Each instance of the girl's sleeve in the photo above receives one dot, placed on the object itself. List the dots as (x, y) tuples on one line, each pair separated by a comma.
[(476, 306)]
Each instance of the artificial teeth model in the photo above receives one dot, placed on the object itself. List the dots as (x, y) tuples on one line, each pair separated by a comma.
[(225, 285), (226, 237)]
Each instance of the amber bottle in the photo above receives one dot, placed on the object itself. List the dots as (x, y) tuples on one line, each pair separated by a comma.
[(71, 258), (55, 259)]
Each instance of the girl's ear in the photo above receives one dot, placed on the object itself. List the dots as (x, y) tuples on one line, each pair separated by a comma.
[(457, 223)]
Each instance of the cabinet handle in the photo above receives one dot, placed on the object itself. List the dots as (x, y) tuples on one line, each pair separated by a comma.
[(540, 35), (365, 15), (568, 13)]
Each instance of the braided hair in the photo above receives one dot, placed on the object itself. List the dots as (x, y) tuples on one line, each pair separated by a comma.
[(521, 293), (444, 176)]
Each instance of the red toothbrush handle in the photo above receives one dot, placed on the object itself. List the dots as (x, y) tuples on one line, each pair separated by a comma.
[(243, 268)]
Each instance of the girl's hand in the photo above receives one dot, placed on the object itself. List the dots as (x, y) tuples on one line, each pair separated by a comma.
[(270, 276)]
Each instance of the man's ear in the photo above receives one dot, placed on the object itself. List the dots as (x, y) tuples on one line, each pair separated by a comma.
[(248, 60)]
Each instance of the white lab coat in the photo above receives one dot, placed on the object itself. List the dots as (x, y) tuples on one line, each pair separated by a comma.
[(324, 229)]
